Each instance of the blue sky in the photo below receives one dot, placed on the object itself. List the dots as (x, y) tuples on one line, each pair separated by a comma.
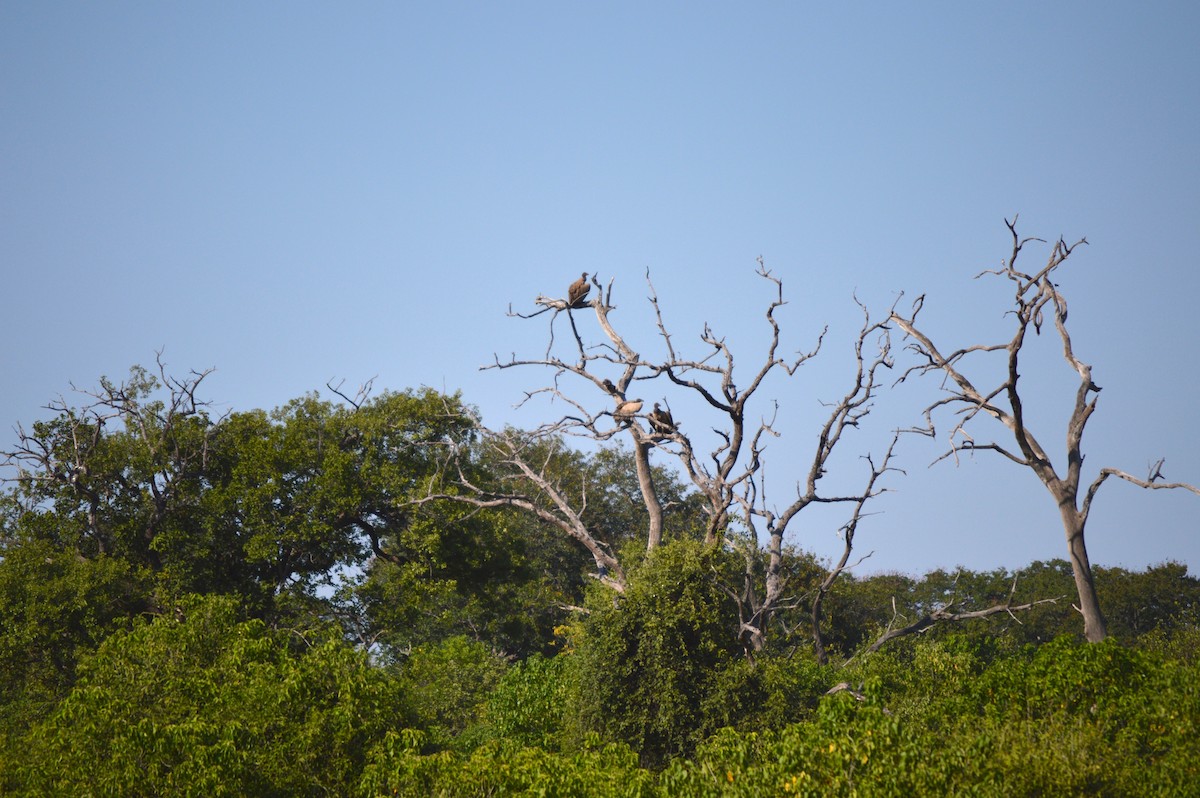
[(298, 192)]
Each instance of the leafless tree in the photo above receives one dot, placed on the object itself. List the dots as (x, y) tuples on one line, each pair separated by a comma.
[(1037, 298), (843, 563), (728, 473), (735, 486)]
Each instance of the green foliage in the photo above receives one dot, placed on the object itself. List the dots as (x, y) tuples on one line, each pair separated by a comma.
[(54, 609), (941, 718), (210, 705), (398, 768), (649, 660), (857, 609), (615, 509), (316, 486), (450, 572), (1135, 603), (529, 705), (447, 685), (255, 504), (937, 721)]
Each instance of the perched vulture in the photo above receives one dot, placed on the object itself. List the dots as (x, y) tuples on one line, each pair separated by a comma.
[(661, 420), (626, 409), (608, 386), (578, 292)]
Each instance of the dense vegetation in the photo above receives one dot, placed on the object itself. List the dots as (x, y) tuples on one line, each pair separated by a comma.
[(268, 604)]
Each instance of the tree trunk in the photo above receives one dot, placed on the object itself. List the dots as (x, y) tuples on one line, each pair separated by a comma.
[(1094, 627), (641, 455)]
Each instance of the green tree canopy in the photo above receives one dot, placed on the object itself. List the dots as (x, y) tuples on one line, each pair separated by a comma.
[(203, 702)]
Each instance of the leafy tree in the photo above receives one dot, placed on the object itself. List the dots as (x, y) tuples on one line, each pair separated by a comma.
[(529, 706), (399, 768), (858, 608), (55, 608), (264, 505), (207, 703), (109, 478), (1161, 597), (318, 486), (495, 576), (615, 506), (495, 563)]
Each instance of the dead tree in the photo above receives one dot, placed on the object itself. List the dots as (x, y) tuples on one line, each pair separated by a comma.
[(729, 476), (843, 563), (612, 367), (1036, 299)]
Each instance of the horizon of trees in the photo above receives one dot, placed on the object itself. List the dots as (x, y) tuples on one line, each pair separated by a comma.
[(166, 573)]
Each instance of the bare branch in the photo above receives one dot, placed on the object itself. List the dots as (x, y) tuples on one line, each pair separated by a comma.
[(848, 531), (944, 615), (360, 396), (729, 474), (1150, 484)]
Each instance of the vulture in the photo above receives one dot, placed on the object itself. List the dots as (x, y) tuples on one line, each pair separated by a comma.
[(578, 292), (661, 421), (608, 386), (626, 409)]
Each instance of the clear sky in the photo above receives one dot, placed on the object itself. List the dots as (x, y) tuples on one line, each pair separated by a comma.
[(299, 192)]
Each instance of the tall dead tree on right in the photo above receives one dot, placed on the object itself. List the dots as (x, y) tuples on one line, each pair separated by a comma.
[(1036, 298)]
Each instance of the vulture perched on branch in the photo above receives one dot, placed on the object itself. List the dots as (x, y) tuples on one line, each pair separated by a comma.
[(661, 421), (626, 409), (578, 292)]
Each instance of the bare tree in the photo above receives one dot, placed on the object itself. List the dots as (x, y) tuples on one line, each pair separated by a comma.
[(735, 486), (729, 475), (1036, 299), (843, 562)]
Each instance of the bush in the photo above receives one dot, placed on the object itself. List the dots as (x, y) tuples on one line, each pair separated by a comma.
[(649, 661), (447, 686), (529, 705), (210, 705)]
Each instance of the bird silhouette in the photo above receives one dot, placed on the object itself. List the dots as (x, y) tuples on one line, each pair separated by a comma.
[(578, 292)]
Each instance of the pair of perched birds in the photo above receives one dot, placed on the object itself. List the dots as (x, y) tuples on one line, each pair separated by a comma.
[(659, 418)]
